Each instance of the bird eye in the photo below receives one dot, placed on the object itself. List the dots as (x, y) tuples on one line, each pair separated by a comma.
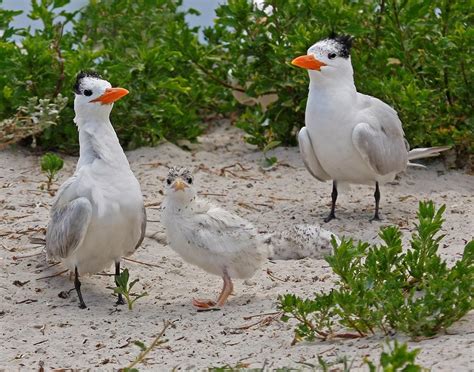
[(190, 180), (88, 92), (168, 181), (332, 55)]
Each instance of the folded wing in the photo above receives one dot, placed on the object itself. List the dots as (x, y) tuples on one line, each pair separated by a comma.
[(69, 222), (379, 138)]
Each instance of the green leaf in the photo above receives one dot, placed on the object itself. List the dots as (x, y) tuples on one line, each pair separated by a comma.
[(51, 163), (140, 344)]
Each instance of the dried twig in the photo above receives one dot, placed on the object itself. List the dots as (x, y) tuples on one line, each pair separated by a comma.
[(211, 194), (27, 301), (30, 255), (52, 276), (156, 164), (264, 321), (259, 315), (140, 262), (223, 169), (237, 176), (47, 267), (152, 204), (264, 205), (270, 274), (248, 206), (284, 199), (7, 249)]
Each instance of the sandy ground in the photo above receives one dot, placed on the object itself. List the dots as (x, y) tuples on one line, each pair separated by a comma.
[(38, 327)]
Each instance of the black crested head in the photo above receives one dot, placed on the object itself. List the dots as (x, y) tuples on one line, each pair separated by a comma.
[(344, 44), (81, 75)]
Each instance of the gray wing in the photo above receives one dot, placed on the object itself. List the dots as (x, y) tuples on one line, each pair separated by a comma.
[(143, 228), (309, 157), (222, 232), (67, 227), (379, 138)]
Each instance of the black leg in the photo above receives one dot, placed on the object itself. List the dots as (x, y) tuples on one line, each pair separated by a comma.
[(120, 300), (333, 204), (377, 200), (77, 285)]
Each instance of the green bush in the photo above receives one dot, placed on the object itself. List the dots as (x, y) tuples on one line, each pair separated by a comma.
[(134, 44), (383, 288), (415, 55), (35, 68)]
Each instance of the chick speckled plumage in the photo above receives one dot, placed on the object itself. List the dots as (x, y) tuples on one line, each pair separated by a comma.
[(225, 244), (208, 236)]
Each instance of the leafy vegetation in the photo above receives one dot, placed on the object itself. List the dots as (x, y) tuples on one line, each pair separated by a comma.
[(383, 288), (31, 119), (396, 358), (168, 99), (413, 55), (124, 288), (51, 164)]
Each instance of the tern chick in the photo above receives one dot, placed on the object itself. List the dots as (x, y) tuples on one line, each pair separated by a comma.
[(98, 215), (223, 243)]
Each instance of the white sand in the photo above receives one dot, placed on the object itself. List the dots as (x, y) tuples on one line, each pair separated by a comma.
[(38, 326)]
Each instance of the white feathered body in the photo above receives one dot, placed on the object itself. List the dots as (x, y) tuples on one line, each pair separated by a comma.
[(332, 114), (213, 239), (104, 180)]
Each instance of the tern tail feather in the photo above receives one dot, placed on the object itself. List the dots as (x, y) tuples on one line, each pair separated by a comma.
[(426, 152), (299, 241)]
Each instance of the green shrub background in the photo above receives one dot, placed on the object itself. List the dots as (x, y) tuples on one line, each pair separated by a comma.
[(415, 55)]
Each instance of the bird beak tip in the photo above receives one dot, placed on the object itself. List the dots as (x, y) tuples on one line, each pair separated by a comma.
[(111, 95), (308, 62), (179, 186)]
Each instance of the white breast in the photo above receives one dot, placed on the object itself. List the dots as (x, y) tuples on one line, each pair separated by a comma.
[(330, 120), (116, 222)]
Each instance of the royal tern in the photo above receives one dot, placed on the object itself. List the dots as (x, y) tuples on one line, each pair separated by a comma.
[(349, 137), (98, 215)]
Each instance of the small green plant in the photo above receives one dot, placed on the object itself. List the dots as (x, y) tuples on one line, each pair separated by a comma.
[(229, 368), (124, 288), (327, 367), (147, 349), (397, 358), (383, 288), (269, 162), (51, 164)]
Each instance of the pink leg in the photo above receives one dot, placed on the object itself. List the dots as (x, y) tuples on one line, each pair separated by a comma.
[(226, 291)]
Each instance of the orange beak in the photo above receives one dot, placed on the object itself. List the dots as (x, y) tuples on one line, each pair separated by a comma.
[(179, 185), (111, 95), (308, 62)]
